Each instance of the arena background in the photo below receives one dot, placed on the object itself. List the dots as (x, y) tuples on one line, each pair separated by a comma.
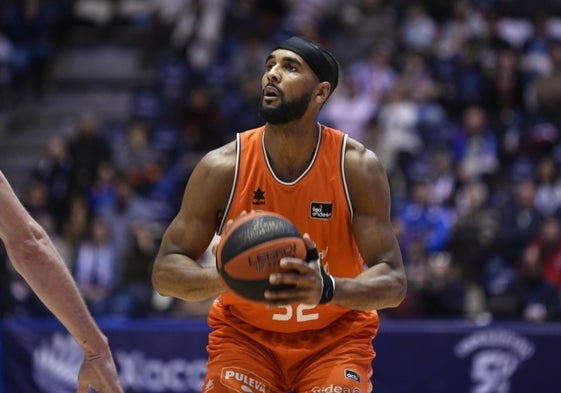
[(106, 105)]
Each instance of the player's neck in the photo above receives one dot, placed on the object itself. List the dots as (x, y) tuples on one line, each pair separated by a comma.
[(290, 148)]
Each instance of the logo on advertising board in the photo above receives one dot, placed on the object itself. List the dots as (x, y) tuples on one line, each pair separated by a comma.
[(140, 373), (496, 354), (56, 362)]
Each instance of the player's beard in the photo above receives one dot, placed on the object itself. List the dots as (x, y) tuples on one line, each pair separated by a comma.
[(287, 111)]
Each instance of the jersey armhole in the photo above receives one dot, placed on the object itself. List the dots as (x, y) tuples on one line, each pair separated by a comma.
[(343, 177), (235, 182)]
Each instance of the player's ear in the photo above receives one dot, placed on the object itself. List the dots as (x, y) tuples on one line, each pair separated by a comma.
[(322, 92)]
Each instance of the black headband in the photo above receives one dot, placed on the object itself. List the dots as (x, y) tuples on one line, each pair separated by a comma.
[(320, 60)]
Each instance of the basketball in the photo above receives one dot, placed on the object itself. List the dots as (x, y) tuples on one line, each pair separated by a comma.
[(251, 250)]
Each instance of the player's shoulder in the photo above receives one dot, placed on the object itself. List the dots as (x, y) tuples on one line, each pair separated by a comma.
[(356, 154), (221, 160)]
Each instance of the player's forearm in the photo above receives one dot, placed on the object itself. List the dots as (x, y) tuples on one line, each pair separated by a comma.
[(178, 276), (39, 263), (377, 288)]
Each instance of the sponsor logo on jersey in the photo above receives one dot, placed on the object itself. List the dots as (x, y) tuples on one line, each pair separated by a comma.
[(258, 197), (350, 374), (243, 381), (209, 385), (334, 389), (321, 210)]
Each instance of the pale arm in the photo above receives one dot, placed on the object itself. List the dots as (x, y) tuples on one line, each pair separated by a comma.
[(34, 256)]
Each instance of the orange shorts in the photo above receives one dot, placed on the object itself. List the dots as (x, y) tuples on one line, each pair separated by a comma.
[(335, 359)]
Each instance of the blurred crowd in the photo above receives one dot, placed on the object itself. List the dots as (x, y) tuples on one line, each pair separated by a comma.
[(460, 100)]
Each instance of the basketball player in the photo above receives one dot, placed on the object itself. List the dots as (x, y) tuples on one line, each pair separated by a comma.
[(34, 257), (318, 336)]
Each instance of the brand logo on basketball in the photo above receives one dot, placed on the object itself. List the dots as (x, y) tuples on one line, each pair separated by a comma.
[(266, 260), (243, 381), (321, 210)]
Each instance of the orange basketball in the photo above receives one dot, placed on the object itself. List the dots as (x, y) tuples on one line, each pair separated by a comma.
[(251, 250)]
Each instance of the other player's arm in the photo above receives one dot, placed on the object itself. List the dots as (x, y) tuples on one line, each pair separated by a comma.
[(34, 256), (383, 284), (176, 270)]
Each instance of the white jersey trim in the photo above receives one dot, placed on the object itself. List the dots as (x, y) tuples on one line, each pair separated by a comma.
[(234, 184), (308, 169), (345, 187)]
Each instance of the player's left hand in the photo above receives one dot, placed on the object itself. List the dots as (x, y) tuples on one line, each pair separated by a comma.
[(302, 277)]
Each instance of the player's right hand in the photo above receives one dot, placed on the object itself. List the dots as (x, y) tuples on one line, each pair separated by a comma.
[(99, 373)]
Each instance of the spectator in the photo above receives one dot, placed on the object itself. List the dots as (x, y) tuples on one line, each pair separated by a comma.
[(133, 296), (519, 221), (466, 23), (472, 238), (36, 199), (250, 50), (548, 186), (505, 102), (55, 171), (423, 222), (348, 109), (418, 29), (75, 228), (303, 18), (199, 32), (87, 149), (6, 75), (442, 292), (96, 268), (444, 182), (29, 25), (239, 108), (398, 118), (540, 298), (64, 248), (163, 18), (102, 194), (372, 139), (136, 159), (201, 122), (126, 208), (548, 244), (418, 80), (363, 25), (474, 146), (530, 297), (374, 73), (536, 59), (548, 86)]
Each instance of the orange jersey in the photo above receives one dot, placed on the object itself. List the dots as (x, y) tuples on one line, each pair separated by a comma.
[(317, 203)]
